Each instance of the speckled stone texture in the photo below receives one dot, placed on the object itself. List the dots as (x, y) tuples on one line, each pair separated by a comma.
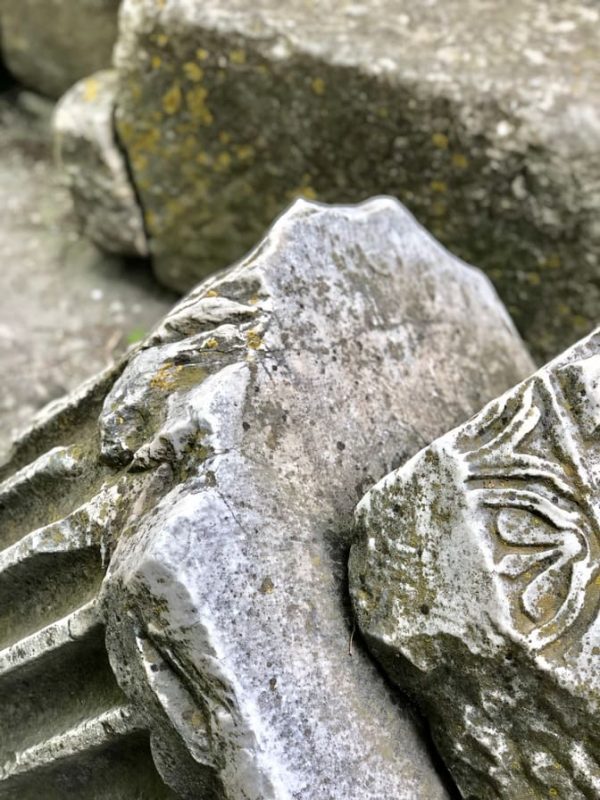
[(95, 168), (482, 117), (476, 582), (50, 44), (213, 476)]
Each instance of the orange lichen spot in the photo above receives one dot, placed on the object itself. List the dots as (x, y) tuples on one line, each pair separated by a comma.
[(254, 300), (254, 339), (439, 186), (318, 86), (171, 101), (237, 56), (211, 293), (202, 54), (459, 161), (192, 71), (90, 90), (440, 140), (211, 343)]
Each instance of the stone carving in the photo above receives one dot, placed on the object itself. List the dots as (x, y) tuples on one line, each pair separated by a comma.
[(196, 547), (50, 44), (228, 109), (481, 558)]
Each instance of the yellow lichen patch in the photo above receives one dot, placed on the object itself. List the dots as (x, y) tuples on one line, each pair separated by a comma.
[(211, 293), (192, 71), (318, 86), (224, 137), (90, 90), (165, 376), (222, 161), (440, 140), (237, 56), (171, 101), (211, 343), (245, 152), (551, 262), (439, 186), (139, 162), (196, 103), (156, 61), (459, 161), (254, 339), (254, 300), (202, 54)]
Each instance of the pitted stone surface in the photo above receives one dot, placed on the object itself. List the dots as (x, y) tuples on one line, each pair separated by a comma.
[(476, 582), (483, 118), (220, 493), (94, 166), (50, 44)]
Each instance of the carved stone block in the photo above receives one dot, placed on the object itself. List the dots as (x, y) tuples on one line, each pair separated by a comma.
[(476, 582), (195, 513)]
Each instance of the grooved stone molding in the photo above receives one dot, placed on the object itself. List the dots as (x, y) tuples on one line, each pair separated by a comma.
[(476, 582), (183, 523), (482, 117)]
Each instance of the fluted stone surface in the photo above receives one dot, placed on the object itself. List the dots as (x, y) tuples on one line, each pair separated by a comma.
[(208, 484), (476, 582)]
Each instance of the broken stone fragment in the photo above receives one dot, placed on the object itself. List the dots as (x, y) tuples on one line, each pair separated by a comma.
[(476, 583), (95, 169), (207, 485), (50, 44), (483, 118)]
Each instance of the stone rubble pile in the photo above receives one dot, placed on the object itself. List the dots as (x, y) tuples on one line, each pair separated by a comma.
[(324, 534)]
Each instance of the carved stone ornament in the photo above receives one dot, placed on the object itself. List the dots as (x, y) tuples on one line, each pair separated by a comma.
[(183, 524), (476, 581)]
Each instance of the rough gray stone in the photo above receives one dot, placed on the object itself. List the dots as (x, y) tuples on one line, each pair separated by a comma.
[(219, 498), (66, 308), (476, 582), (95, 169), (50, 44), (482, 118)]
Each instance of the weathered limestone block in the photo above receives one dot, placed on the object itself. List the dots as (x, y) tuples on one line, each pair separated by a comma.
[(94, 166), (205, 531), (476, 582), (51, 44), (483, 118)]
